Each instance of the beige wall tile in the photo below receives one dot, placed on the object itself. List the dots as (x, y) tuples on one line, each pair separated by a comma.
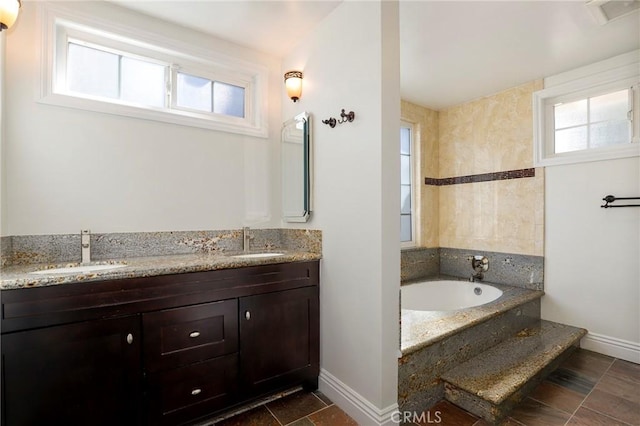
[(482, 136)]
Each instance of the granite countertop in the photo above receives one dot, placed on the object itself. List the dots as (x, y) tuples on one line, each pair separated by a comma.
[(14, 277), (423, 328)]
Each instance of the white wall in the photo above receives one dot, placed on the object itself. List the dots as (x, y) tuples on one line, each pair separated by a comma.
[(592, 255), (67, 169), (351, 61), (2, 156)]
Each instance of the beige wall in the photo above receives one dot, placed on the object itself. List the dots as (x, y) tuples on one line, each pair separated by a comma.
[(486, 135)]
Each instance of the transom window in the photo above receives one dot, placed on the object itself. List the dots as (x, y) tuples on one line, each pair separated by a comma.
[(594, 122), (202, 94), (589, 114), (97, 67), (99, 73)]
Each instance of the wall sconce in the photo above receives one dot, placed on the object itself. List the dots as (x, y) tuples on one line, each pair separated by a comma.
[(9, 13), (293, 83)]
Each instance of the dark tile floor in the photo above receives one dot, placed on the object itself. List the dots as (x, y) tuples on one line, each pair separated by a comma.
[(588, 389), (298, 409)]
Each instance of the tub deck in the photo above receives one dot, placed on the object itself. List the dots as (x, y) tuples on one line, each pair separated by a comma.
[(423, 328)]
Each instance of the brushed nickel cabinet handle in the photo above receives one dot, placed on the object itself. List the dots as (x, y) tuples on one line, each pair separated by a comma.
[(129, 338), (196, 392), (194, 334), (247, 315)]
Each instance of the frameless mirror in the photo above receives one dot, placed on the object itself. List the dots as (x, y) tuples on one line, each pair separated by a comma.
[(296, 168)]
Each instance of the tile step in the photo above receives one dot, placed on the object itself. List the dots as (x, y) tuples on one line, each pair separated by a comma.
[(492, 383)]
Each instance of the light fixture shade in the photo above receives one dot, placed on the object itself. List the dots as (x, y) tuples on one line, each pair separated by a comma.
[(293, 83), (8, 13)]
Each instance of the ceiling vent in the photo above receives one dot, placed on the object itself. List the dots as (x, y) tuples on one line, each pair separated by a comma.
[(604, 11)]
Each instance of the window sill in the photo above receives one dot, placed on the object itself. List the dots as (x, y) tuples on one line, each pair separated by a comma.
[(596, 154), (175, 117)]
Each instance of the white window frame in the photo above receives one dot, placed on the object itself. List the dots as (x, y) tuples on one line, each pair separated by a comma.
[(414, 187), (60, 25), (615, 74)]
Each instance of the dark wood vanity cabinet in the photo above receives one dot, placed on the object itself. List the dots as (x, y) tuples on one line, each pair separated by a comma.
[(70, 373), (278, 337), (165, 350)]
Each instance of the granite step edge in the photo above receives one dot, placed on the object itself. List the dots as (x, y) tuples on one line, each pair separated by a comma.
[(499, 372)]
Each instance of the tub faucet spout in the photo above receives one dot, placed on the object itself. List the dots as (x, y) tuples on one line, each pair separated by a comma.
[(480, 265)]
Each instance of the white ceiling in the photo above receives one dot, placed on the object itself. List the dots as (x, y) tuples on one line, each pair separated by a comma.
[(274, 27), (451, 51)]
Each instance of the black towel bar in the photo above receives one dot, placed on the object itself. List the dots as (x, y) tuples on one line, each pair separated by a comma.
[(612, 198)]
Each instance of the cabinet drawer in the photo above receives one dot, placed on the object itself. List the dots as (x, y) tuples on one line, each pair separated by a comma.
[(189, 392), (182, 336)]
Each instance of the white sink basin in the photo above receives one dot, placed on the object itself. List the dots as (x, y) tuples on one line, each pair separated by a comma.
[(257, 255), (80, 269)]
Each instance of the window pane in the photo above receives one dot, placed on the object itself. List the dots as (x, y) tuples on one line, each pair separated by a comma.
[(612, 106), (143, 82), (405, 140), (194, 92), (228, 99), (92, 71), (405, 170), (570, 114), (573, 139), (610, 133), (405, 228), (405, 199)]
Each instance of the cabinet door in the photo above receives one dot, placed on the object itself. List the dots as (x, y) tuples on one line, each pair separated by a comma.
[(78, 374), (279, 339)]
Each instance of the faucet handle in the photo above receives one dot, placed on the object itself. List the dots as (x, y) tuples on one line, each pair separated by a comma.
[(480, 263), (246, 231)]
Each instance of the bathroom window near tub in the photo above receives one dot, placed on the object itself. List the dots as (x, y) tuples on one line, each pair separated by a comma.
[(593, 122), (589, 118), (407, 190), (101, 67)]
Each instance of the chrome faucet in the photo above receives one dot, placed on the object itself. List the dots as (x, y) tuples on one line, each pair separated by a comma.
[(246, 239), (85, 243), (480, 265)]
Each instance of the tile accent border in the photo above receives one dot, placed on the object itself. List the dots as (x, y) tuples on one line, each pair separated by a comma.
[(484, 177)]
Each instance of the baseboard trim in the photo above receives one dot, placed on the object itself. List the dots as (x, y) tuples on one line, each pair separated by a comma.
[(354, 404), (618, 348)]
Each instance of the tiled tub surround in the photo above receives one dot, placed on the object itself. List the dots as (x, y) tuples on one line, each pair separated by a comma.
[(512, 269), (419, 262), (148, 254), (435, 342), (517, 270), (420, 329), (481, 189)]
